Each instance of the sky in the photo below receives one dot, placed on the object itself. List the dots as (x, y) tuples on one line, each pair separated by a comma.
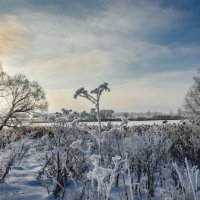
[(147, 50)]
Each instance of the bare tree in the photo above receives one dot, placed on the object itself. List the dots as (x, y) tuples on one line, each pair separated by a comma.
[(19, 99), (3, 79), (106, 114), (192, 99)]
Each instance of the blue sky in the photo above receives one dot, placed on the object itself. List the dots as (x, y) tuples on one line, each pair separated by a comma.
[(147, 51)]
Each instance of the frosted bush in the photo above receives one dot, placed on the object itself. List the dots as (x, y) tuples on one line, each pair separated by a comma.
[(105, 177), (189, 181)]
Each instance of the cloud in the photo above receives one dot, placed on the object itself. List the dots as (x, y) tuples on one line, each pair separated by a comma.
[(93, 43), (128, 16), (12, 38)]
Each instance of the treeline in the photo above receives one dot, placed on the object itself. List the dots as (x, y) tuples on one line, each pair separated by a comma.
[(111, 115), (158, 117)]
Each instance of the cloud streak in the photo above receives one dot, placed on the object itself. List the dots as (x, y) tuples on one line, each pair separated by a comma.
[(11, 35)]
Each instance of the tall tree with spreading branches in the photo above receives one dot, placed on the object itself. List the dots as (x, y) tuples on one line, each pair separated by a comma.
[(19, 99)]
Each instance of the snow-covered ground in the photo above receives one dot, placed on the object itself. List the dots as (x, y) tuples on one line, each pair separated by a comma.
[(22, 183), (69, 151), (138, 123), (130, 123)]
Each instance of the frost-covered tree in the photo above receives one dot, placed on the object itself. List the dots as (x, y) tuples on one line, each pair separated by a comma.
[(192, 99), (106, 114), (20, 99)]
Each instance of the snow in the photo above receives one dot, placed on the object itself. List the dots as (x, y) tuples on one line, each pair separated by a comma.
[(22, 183), (126, 154), (130, 123)]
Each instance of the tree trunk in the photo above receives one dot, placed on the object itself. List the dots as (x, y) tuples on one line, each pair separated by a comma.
[(5, 121)]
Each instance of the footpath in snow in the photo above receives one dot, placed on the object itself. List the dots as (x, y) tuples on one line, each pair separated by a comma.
[(22, 183)]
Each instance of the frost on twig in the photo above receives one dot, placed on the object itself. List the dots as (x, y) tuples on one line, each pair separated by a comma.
[(105, 177)]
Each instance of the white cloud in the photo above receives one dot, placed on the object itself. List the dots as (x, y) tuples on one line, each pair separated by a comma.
[(12, 36)]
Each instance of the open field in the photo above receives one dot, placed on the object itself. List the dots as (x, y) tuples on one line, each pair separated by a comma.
[(137, 162), (130, 123)]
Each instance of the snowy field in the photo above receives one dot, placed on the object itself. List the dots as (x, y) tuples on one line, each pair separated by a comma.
[(137, 123), (130, 123), (138, 162)]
